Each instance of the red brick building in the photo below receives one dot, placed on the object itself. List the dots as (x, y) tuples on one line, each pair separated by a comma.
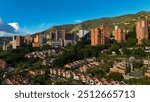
[(100, 36), (28, 39), (141, 30), (119, 35), (36, 41)]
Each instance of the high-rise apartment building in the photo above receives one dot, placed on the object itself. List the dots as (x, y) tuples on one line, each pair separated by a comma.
[(95, 36), (119, 35), (43, 39), (105, 34), (141, 30), (28, 39), (82, 33), (36, 41), (18, 41), (100, 36), (60, 35)]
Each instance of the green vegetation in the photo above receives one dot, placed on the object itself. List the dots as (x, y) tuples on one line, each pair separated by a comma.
[(126, 22), (140, 81), (116, 76), (96, 72)]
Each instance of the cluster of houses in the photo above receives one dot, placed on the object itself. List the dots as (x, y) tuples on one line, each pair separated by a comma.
[(42, 54), (83, 78), (146, 62), (17, 80), (37, 72), (119, 67), (84, 64), (48, 63)]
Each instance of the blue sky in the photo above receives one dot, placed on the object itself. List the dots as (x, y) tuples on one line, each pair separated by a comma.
[(37, 15)]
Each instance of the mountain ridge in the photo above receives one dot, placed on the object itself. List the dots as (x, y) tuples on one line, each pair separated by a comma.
[(126, 22)]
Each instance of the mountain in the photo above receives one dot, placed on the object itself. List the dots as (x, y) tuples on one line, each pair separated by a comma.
[(67, 28), (126, 22)]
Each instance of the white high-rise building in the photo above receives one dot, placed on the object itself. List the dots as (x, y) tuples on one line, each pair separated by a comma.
[(82, 33)]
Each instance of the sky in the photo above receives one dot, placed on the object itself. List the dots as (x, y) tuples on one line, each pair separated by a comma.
[(30, 16)]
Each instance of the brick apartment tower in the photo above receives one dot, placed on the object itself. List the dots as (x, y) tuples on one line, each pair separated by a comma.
[(100, 36), (36, 41), (105, 34), (28, 39), (95, 36), (119, 35), (17, 41), (141, 30), (60, 34)]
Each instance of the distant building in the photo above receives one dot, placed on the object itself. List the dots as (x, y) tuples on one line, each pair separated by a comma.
[(54, 43), (39, 40), (100, 36), (141, 30), (18, 41), (36, 41), (28, 40), (59, 38), (60, 35), (95, 36), (105, 33), (2, 64), (82, 33), (43, 39), (4, 46), (119, 35)]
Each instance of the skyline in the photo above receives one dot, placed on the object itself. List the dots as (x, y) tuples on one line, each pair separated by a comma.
[(35, 16)]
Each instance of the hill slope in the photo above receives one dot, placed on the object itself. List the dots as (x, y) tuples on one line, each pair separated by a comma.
[(125, 22)]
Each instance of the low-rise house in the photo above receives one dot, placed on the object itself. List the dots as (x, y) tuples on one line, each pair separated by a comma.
[(59, 72), (97, 81), (88, 79), (63, 73), (75, 76), (51, 71), (84, 68), (122, 83), (37, 72), (119, 67), (146, 62), (55, 71), (68, 74), (68, 66), (147, 74), (82, 78), (91, 81), (104, 81)]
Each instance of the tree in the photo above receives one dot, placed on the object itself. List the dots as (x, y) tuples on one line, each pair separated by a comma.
[(37, 65), (115, 47), (131, 42), (146, 43), (116, 76), (95, 72)]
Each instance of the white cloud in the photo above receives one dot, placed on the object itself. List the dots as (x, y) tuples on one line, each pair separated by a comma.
[(15, 25), (78, 21), (10, 29)]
